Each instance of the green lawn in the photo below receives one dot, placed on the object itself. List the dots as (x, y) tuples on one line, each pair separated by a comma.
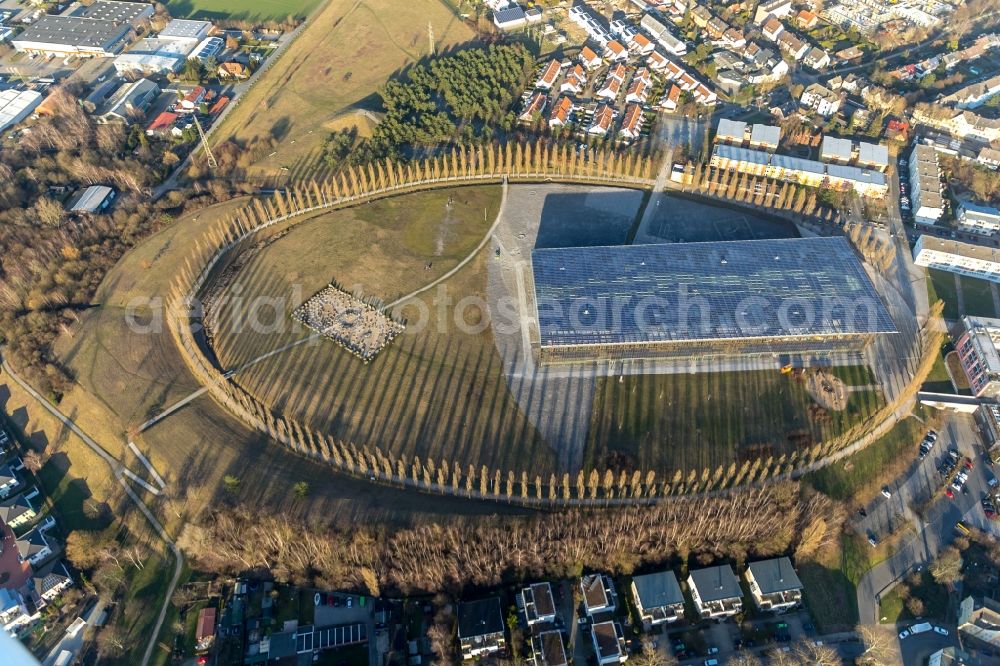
[(932, 595), (680, 421), (978, 297), (845, 478), (938, 380), (237, 10), (829, 595), (941, 286)]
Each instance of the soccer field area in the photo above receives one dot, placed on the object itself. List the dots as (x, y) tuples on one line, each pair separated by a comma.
[(241, 10)]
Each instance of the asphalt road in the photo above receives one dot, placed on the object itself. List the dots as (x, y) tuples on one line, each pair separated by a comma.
[(936, 528)]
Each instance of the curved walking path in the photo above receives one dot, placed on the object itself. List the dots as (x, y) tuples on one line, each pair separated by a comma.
[(119, 471), (229, 374)]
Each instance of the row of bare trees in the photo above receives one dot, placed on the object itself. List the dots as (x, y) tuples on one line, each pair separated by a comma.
[(223, 243), (784, 196), (471, 552)]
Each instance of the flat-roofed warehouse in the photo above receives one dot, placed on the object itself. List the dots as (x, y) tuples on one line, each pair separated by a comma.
[(101, 29), (801, 296)]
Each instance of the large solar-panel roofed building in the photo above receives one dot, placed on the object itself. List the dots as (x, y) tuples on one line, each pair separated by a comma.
[(716, 299)]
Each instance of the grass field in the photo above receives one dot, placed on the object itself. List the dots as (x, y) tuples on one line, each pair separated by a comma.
[(124, 375), (436, 391), (696, 421), (978, 297), (851, 477), (941, 285), (241, 10), (932, 595), (340, 61)]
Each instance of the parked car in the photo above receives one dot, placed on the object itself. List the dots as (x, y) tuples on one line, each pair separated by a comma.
[(941, 630), (886, 493)]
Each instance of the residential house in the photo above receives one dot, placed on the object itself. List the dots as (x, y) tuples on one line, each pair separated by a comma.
[(598, 594), (632, 122), (601, 123), (13, 612), (974, 218), (657, 61), (610, 90), (623, 30), (772, 28), (548, 650), (731, 131), (539, 604), (820, 99), (671, 98), (979, 622), (9, 480), (204, 635), (534, 107), (873, 155), (849, 54), (704, 95), (792, 45), (658, 598), (163, 124), (589, 59), (973, 95), (716, 591), (641, 45), (701, 15), (19, 510), (765, 137), (663, 35), (774, 585), (192, 99), (640, 86), (510, 18), (561, 112), (615, 51), (732, 39), (964, 124), (989, 157), (775, 8), (33, 546), (575, 81), (716, 28), (233, 70), (834, 149), (480, 627), (609, 643), (816, 58), (48, 583), (806, 19), (549, 74)]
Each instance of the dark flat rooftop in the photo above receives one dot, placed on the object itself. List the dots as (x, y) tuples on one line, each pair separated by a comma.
[(631, 294)]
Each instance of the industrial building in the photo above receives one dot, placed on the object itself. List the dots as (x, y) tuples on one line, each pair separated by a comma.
[(866, 182), (925, 185), (153, 56), (185, 30), (101, 29), (953, 256), (130, 102), (210, 47), (763, 298), (93, 199), (16, 105)]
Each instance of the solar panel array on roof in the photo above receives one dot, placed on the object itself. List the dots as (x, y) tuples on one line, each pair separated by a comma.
[(636, 294)]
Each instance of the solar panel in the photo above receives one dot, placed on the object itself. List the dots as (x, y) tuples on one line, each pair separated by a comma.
[(802, 287)]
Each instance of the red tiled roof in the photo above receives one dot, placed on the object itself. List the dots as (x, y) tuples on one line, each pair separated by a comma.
[(163, 121)]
